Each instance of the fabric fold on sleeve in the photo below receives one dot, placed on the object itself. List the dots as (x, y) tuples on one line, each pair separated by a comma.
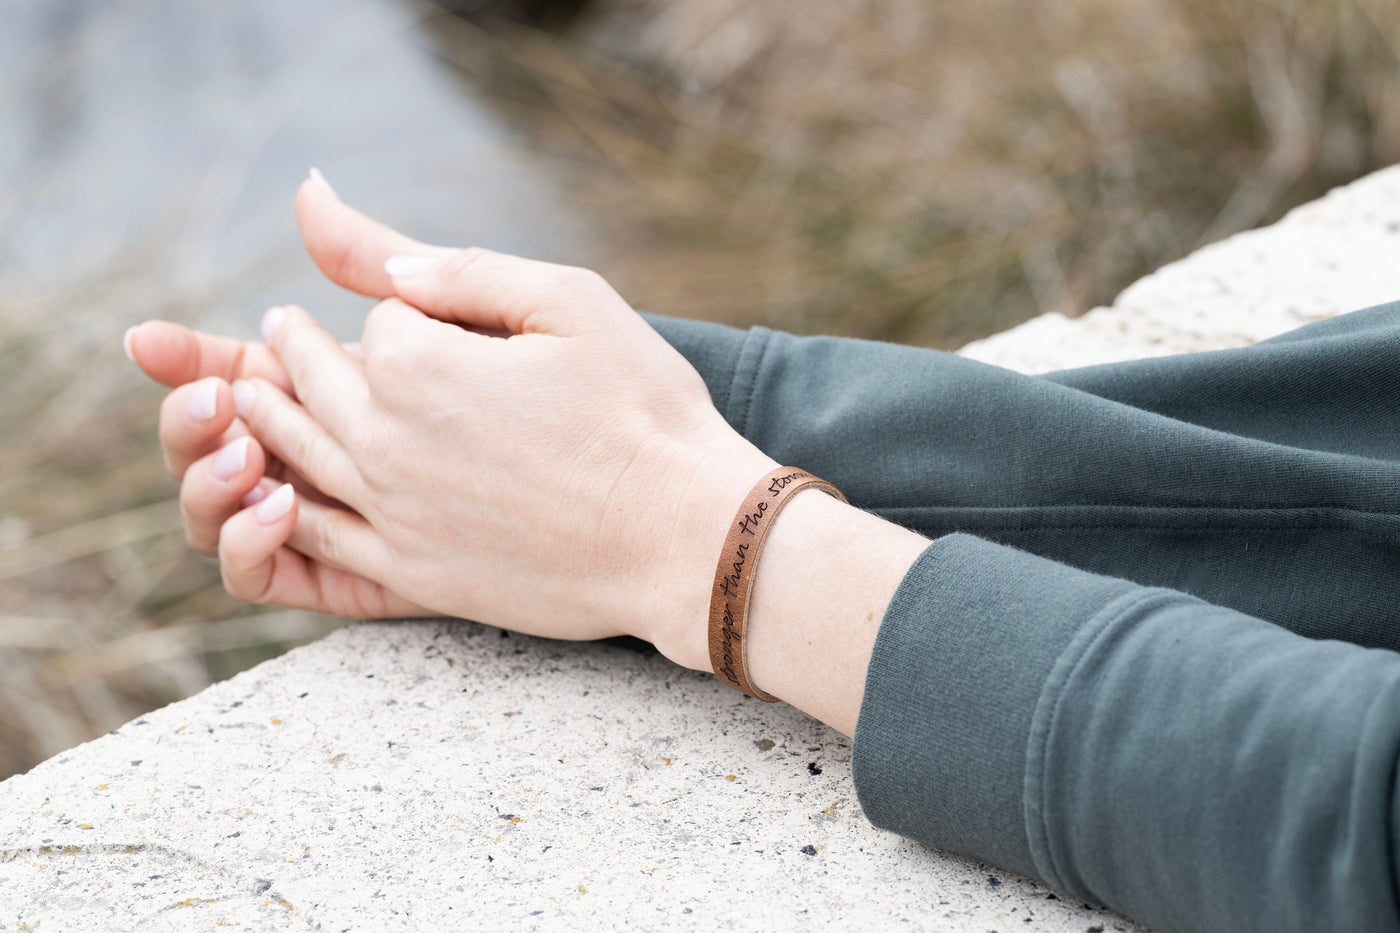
[(1188, 765)]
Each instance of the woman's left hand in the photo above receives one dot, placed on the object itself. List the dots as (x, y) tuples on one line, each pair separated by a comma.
[(572, 480)]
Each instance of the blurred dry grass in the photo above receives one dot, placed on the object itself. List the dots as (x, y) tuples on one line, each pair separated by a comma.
[(894, 169), (104, 612), (933, 172)]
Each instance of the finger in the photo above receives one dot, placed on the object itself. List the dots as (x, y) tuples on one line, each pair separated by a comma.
[(293, 436), (195, 420), (494, 291), (326, 379), (251, 544), (339, 538), (257, 565), (348, 247), (214, 487), (401, 350), (174, 355)]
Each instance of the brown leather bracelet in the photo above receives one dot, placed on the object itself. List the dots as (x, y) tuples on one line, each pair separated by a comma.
[(729, 601)]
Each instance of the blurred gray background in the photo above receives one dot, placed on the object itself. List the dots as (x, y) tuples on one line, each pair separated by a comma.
[(892, 169)]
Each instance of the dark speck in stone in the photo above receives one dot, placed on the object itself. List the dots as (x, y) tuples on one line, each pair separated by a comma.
[(235, 704), (505, 634), (536, 913), (812, 768), (1051, 897), (137, 762), (595, 788), (507, 816), (302, 696), (234, 835), (369, 676), (139, 722), (687, 911), (763, 744), (260, 887), (154, 877), (377, 789), (1094, 930), (994, 881), (490, 859), (809, 850)]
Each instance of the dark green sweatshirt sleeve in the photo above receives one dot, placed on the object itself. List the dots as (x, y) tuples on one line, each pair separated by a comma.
[(1185, 764), (1075, 718)]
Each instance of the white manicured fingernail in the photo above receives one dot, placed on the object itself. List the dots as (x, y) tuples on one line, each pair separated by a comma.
[(126, 342), (231, 459), (255, 495), (402, 267), (275, 505), (271, 320), (320, 180), (244, 395), (203, 401)]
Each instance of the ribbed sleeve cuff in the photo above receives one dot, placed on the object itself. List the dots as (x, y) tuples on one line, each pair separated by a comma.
[(962, 656)]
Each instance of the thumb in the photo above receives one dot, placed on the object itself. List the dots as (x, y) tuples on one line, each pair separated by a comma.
[(495, 292), (348, 247), (483, 291)]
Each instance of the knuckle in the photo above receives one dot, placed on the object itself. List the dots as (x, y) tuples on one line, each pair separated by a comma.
[(190, 518), (327, 542), (191, 541), (578, 282), (460, 262), (308, 455), (232, 584)]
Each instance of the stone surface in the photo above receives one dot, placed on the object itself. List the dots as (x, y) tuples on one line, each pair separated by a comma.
[(439, 775)]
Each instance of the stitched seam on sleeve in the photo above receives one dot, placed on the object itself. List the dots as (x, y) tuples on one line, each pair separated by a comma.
[(1045, 721), (741, 388)]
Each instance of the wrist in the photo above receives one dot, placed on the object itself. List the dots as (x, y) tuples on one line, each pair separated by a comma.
[(823, 581), (678, 621)]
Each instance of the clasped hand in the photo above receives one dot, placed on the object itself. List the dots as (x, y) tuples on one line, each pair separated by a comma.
[(509, 442)]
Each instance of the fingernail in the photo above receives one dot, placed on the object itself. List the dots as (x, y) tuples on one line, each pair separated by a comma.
[(320, 180), (402, 267), (255, 495), (271, 320), (203, 401), (126, 342), (244, 395), (275, 505), (231, 459)]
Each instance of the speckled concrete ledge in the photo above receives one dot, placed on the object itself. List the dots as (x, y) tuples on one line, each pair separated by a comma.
[(433, 775)]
